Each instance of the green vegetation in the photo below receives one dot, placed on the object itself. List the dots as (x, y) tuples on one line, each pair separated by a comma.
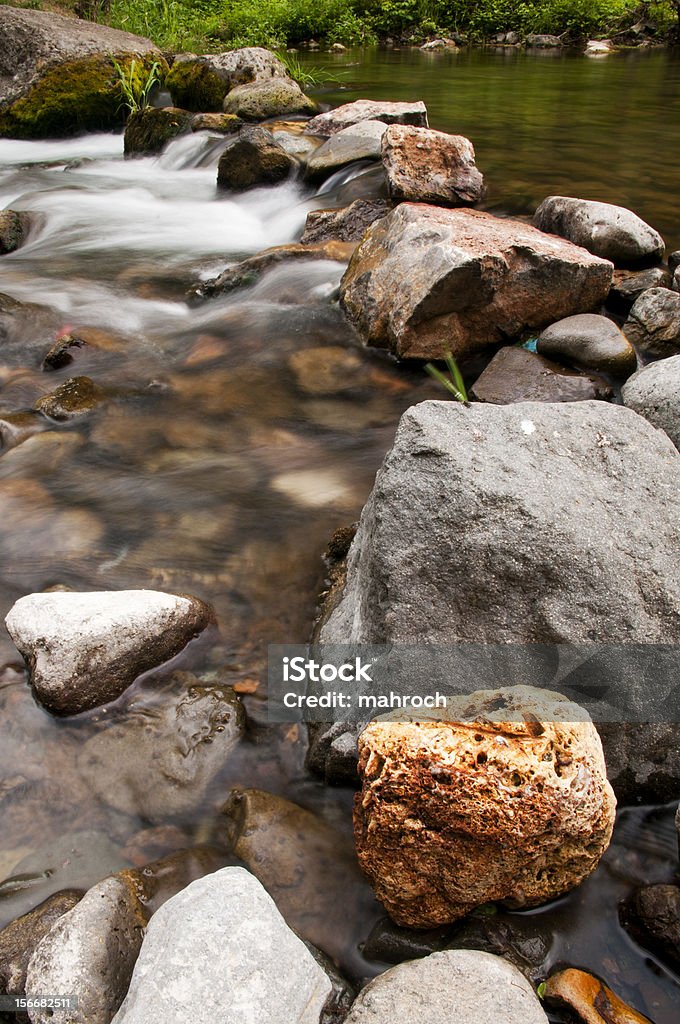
[(204, 25), (454, 384), (136, 86)]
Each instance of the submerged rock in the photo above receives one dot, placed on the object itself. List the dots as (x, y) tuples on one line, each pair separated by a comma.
[(19, 939), (517, 375), (90, 951), (59, 76), (159, 762), (455, 985), (13, 230), (357, 142), (84, 649), (255, 158), (147, 131), (652, 916), (464, 808), (590, 999), (331, 370), (353, 113), (258, 969), (589, 340), (612, 232), (425, 166), (200, 83), (425, 280), (654, 392), (75, 397), (273, 98), (653, 324), (347, 224)]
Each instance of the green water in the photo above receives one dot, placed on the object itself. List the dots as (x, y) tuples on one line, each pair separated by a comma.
[(543, 123)]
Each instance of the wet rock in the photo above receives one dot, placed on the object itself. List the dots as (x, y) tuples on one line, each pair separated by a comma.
[(294, 853), (516, 375), (543, 42), (152, 843), (200, 83), (514, 938), (70, 345), (612, 232), (327, 371), (75, 397), (643, 760), (13, 230), (653, 324), (455, 985), (90, 951), (31, 521), (345, 225), (348, 114), (41, 454), (425, 166), (271, 977), (57, 73), (225, 124), (628, 285), (518, 811), (342, 995), (273, 98), (255, 158), (333, 752), (652, 916), (17, 427), (425, 280), (654, 392), (590, 999), (591, 341), (290, 135), (674, 260), (599, 47), (19, 939), (248, 272), (160, 880), (391, 944), (147, 131), (357, 142), (84, 649), (159, 762), (439, 44)]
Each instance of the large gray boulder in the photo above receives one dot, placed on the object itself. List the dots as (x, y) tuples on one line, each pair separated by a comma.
[(200, 82), (424, 166), (57, 74), (425, 280), (455, 985), (278, 97), (257, 968), (653, 324), (654, 392), (612, 232), (358, 142), (84, 649), (348, 114)]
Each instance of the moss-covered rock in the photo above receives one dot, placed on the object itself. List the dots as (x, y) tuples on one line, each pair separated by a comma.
[(200, 83), (275, 98), (148, 130), (13, 230), (193, 85), (225, 124)]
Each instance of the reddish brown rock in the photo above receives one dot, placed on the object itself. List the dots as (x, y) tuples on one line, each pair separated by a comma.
[(491, 799), (590, 999), (430, 167), (425, 280)]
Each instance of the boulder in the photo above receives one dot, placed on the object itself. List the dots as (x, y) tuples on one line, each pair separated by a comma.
[(148, 130), (674, 260), (425, 280), (358, 142), (653, 324), (349, 114), (58, 75), (455, 985), (652, 916), (254, 158), (543, 42), (200, 83), (19, 939), (13, 230), (159, 763), (599, 47), (425, 166), (224, 124), (654, 392), (90, 951), (74, 398), (502, 796), (347, 224), (590, 341), (84, 649), (516, 375), (611, 232), (248, 271), (258, 969), (439, 44), (628, 285), (274, 98)]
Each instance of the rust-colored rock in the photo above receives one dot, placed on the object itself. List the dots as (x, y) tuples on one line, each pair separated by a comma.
[(425, 280), (590, 999), (502, 796), (425, 166)]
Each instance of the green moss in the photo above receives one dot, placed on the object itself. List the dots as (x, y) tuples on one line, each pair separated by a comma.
[(79, 95), (147, 131), (194, 86)]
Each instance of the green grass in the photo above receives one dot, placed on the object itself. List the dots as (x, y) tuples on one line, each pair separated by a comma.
[(454, 383), (136, 86)]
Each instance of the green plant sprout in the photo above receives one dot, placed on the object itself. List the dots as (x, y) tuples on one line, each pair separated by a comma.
[(134, 89), (455, 385), (306, 77)]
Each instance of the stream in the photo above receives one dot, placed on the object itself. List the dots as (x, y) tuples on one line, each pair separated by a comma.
[(213, 469)]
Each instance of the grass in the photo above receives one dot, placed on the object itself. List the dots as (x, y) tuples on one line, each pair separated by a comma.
[(136, 90), (454, 384)]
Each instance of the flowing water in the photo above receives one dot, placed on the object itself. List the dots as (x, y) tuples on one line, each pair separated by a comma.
[(216, 467)]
